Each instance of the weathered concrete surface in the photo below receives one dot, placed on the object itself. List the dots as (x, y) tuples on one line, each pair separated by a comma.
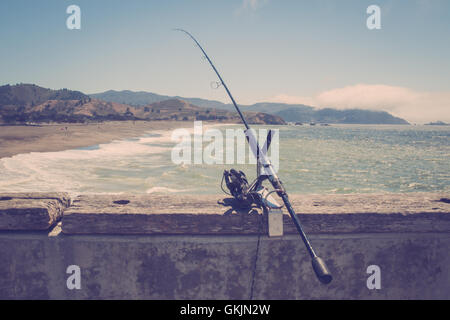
[(203, 267), (155, 214), (31, 211), (415, 262), (193, 214)]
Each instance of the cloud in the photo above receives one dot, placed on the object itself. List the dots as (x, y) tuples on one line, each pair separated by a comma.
[(250, 5), (284, 98), (414, 106)]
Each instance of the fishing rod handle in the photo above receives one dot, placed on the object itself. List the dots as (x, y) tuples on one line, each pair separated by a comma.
[(321, 270), (298, 225), (318, 264)]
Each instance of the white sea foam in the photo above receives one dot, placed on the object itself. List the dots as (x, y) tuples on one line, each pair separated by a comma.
[(76, 170), (164, 190)]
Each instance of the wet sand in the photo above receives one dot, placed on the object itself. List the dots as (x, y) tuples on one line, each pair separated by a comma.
[(58, 137)]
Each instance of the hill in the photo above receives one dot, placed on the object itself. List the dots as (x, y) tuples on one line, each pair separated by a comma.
[(351, 116), (24, 103), (31, 95), (142, 98), (130, 97), (288, 112)]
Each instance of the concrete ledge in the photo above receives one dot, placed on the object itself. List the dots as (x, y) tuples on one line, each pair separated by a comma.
[(183, 247), (31, 211), (155, 214), (202, 215)]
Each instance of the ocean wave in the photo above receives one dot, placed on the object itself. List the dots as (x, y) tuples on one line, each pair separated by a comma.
[(142, 165)]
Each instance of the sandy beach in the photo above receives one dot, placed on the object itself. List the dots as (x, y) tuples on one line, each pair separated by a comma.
[(57, 137)]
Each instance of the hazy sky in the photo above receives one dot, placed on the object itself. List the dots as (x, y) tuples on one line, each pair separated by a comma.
[(314, 52)]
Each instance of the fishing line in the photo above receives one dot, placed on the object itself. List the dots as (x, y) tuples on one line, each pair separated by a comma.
[(255, 264)]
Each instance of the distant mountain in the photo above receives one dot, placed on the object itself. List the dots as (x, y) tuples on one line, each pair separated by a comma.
[(437, 123), (328, 115), (276, 108), (208, 103), (288, 112), (30, 103), (130, 97), (142, 98)]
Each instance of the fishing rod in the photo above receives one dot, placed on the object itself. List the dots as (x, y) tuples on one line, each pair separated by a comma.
[(318, 263)]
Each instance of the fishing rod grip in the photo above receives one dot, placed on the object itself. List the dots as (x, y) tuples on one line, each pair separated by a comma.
[(319, 266), (321, 270)]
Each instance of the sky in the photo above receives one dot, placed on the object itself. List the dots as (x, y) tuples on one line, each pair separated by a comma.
[(319, 53)]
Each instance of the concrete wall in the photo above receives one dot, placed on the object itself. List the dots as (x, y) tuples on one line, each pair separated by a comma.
[(180, 262)]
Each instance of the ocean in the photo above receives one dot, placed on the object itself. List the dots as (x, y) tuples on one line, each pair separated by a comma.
[(312, 159)]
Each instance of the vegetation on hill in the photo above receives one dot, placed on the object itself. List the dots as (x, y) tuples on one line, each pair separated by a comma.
[(25, 103)]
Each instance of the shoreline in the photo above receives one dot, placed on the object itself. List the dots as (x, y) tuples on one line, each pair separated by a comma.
[(18, 139), (63, 136)]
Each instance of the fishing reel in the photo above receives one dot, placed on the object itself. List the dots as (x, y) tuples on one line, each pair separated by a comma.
[(238, 187), (247, 195), (237, 184)]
